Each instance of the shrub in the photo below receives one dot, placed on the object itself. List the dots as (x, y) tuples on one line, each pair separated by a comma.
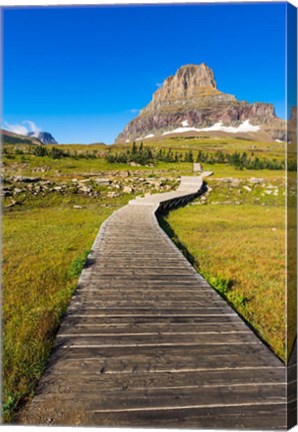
[(40, 150)]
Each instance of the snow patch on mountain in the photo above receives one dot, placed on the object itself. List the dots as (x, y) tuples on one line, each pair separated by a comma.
[(243, 127)]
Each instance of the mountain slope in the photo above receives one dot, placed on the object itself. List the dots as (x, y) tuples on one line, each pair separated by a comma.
[(8, 137), (190, 103), (38, 138), (44, 137)]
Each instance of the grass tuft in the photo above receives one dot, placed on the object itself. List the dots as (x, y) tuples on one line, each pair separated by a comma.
[(78, 264)]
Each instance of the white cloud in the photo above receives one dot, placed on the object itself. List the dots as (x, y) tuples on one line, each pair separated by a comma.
[(159, 84), (134, 110), (32, 126), (21, 129), (15, 128)]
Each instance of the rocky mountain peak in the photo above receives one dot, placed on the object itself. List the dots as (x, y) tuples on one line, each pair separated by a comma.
[(192, 76), (192, 85), (189, 102), (43, 137)]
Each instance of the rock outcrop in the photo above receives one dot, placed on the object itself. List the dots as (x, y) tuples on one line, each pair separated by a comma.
[(189, 102), (43, 137)]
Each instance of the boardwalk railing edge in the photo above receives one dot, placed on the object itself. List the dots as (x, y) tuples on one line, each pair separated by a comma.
[(166, 205), (99, 354), (159, 209)]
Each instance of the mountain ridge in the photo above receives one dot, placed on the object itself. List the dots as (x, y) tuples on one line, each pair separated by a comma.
[(190, 101), (44, 137), (35, 138)]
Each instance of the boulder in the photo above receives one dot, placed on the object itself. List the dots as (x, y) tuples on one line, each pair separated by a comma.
[(128, 189)]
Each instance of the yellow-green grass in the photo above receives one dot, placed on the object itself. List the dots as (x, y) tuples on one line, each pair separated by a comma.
[(29, 165), (241, 251), (214, 143), (44, 249), (229, 143), (70, 167), (45, 241), (222, 170)]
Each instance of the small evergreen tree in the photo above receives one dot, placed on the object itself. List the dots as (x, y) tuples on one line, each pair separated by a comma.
[(134, 148)]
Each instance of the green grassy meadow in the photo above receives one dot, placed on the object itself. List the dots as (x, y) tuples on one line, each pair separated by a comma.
[(44, 249), (240, 250), (236, 235)]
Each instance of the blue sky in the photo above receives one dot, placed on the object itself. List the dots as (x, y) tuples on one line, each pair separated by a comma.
[(82, 73)]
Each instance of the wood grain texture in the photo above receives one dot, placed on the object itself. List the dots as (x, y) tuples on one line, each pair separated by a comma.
[(147, 342)]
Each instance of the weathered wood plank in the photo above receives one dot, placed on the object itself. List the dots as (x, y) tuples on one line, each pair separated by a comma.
[(113, 382), (147, 342)]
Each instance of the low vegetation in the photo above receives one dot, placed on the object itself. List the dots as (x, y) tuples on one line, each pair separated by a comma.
[(50, 223), (146, 155), (236, 238), (56, 197), (44, 249), (243, 161)]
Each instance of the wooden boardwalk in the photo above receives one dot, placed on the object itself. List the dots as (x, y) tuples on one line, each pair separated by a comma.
[(147, 342)]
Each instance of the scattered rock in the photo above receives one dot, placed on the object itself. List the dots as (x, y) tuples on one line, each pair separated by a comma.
[(235, 183), (227, 180), (18, 191), (41, 169), (12, 204), (77, 207), (102, 181), (86, 189), (23, 179), (247, 188), (113, 194), (128, 189), (254, 180)]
